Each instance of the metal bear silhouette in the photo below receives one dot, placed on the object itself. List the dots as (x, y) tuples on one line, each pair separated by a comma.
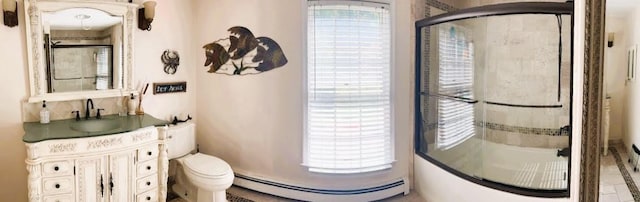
[(243, 53)]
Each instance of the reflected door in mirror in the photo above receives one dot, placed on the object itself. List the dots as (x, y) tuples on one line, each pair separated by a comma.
[(81, 68), (83, 49)]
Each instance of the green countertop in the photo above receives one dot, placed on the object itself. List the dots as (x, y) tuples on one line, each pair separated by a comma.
[(61, 129)]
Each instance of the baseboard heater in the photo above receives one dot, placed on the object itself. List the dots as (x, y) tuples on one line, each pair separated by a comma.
[(373, 193)]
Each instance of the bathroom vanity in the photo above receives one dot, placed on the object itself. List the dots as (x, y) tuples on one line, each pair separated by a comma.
[(117, 158)]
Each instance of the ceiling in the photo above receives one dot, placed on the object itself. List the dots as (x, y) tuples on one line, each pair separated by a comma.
[(68, 19), (621, 8)]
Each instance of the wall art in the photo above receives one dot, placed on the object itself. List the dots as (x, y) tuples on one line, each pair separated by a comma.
[(242, 53), (171, 60), (172, 87)]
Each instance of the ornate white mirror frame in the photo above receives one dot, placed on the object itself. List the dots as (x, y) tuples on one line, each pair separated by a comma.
[(37, 75)]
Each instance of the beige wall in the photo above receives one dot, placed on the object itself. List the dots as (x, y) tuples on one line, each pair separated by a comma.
[(171, 30), (255, 122), (615, 72), (14, 62), (631, 108)]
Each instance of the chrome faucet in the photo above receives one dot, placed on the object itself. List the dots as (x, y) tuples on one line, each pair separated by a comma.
[(87, 111)]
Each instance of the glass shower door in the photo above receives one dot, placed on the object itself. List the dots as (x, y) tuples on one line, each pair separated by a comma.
[(494, 97)]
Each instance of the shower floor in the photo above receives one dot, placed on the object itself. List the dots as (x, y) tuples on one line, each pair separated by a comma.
[(528, 167)]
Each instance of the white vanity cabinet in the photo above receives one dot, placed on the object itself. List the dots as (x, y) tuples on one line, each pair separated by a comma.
[(130, 166), (105, 177)]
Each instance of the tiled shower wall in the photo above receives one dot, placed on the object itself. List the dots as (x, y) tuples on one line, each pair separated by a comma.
[(516, 62), (521, 67)]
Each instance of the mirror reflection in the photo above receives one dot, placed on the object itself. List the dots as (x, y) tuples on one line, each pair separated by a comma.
[(83, 49)]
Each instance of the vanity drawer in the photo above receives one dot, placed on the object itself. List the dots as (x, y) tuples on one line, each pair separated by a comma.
[(57, 168), (60, 198), (146, 183), (57, 185), (150, 196), (148, 152), (147, 167)]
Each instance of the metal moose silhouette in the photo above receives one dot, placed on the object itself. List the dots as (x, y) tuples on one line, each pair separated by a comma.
[(242, 53)]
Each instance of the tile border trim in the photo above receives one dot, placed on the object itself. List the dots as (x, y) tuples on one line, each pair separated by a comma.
[(633, 188)]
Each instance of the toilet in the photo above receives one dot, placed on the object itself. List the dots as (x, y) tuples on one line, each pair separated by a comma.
[(199, 177)]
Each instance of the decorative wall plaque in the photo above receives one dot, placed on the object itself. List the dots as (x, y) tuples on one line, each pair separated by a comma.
[(242, 53), (174, 87)]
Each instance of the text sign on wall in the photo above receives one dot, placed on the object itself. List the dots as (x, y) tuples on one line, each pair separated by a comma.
[(174, 87)]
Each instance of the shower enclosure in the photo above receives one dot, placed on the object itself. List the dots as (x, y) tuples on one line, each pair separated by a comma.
[(493, 95)]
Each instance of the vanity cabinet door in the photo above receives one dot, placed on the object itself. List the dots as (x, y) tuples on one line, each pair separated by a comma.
[(121, 176), (90, 179)]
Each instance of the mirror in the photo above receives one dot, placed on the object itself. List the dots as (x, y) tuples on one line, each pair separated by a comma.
[(79, 50), (82, 50)]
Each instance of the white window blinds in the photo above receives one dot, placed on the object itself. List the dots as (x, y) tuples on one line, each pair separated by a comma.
[(102, 74), (455, 81), (348, 112)]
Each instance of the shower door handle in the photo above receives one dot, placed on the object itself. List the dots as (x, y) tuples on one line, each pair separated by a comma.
[(456, 98)]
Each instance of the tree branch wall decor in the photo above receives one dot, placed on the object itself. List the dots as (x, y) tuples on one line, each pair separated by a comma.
[(242, 53)]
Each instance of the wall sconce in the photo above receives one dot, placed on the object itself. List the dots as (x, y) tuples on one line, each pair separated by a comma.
[(10, 10), (146, 14), (610, 37)]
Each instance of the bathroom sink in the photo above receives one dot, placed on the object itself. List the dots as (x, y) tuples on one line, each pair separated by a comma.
[(95, 125)]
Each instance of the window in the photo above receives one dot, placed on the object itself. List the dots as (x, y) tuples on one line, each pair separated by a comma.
[(455, 80), (348, 109)]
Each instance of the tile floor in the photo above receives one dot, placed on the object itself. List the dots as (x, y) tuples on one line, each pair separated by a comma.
[(613, 186), (262, 197), (617, 185)]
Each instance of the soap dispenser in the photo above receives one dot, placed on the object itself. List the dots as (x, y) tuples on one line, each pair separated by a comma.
[(44, 113), (132, 105)]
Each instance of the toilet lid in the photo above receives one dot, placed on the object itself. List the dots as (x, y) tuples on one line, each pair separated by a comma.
[(206, 165)]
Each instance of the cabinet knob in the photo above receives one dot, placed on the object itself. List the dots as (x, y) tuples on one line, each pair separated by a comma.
[(148, 198), (149, 153), (57, 186), (56, 168), (148, 167), (148, 183)]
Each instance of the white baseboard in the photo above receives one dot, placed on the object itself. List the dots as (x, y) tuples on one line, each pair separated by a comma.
[(615, 142), (382, 191)]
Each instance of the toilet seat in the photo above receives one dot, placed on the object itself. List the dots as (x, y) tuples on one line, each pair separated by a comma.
[(206, 166)]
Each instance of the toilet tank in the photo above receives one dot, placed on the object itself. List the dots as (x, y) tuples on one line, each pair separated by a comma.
[(182, 139)]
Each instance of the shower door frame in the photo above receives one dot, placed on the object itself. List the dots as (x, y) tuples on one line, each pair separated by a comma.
[(553, 8)]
